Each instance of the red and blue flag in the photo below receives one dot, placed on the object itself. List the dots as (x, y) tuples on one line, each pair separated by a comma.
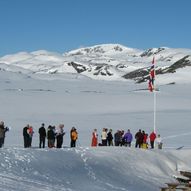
[(152, 75)]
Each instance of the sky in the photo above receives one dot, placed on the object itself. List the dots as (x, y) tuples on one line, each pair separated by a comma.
[(64, 25)]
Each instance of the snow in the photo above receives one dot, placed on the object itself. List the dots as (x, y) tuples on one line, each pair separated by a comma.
[(85, 168), (181, 77), (77, 100)]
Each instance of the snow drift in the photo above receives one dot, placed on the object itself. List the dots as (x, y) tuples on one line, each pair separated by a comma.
[(96, 169)]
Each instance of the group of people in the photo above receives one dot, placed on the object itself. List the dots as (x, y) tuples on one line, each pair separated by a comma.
[(54, 136), (122, 138), (143, 139)]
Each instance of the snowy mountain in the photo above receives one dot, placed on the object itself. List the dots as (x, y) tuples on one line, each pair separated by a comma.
[(107, 62)]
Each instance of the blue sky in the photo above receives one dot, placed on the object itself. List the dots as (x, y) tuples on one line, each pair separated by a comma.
[(63, 25)]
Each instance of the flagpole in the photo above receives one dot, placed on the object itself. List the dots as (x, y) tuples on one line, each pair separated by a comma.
[(152, 88), (155, 109), (155, 98)]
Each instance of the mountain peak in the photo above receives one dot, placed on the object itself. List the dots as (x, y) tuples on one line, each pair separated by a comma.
[(106, 49)]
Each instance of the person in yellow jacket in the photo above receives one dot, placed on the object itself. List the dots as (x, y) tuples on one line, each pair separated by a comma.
[(73, 136)]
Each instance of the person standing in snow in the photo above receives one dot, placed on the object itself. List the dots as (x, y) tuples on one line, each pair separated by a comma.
[(152, 139), (159, 141), (51, 136), (42, 136), (94, 138), (3, 130), (139, 139), (122, 141), (128, 137), (110, 138), (117, 138), (59, 135), (73, 136), (104, 137), (30, 132), (26, 136), (145, 140)]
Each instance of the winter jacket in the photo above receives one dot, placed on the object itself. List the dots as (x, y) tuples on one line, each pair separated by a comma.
[(25, 133), (152, 136), (145, 138), (74, 135), (30, 131), (2, 131), (128, 137), (60, 131), (104, 135), (139, 137), (117, 137), (159, 140), (42, 132), (50, 134), (94, 139), (109, 136)]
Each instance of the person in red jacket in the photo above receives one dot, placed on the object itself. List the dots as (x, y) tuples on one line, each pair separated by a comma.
[(152, 139), (145, 141), (94, 138)]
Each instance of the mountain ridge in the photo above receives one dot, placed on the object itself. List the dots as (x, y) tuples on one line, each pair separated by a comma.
[(101, 62)]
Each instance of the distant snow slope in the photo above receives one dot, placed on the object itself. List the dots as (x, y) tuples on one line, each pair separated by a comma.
[(106, 61), (88, 104), (84, 169)]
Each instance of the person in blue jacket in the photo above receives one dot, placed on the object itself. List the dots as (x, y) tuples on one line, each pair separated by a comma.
[(128, 137)]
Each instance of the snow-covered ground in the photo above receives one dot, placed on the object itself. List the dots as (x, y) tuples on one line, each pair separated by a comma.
[(88, 104), (84, 169), (79, 101)]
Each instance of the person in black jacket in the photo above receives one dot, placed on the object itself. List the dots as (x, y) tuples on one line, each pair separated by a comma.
[(51, 136), (117, 138), (26, 136), (42, 136), (110, 138), (139, 139), (3, 130)]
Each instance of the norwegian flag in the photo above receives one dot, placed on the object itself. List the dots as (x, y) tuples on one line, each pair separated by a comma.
[(152, 75)]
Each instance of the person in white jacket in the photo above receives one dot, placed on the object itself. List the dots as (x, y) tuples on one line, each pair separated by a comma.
[(104, 137), (59, 135), (159, 141)]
